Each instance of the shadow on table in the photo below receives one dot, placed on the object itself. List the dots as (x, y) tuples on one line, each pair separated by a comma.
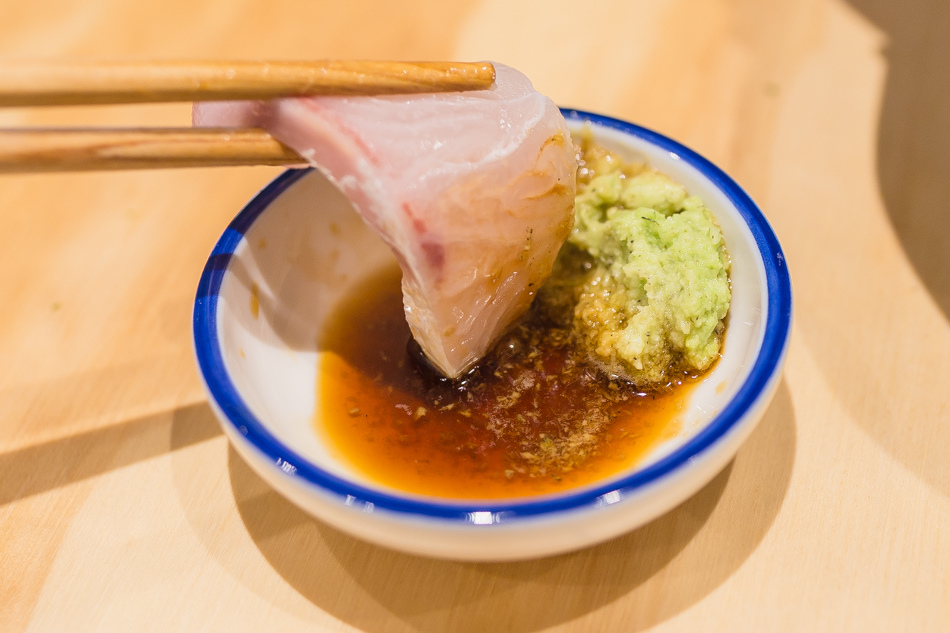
[(658, 570), (913, 172), (49, 465), (913, 145)]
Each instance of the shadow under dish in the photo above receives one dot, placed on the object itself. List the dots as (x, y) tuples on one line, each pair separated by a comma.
[(650, 574)]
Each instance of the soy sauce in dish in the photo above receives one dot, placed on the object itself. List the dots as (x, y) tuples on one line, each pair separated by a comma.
[(534, 417)]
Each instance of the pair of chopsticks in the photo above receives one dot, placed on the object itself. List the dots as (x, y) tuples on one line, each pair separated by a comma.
[(70, 149)]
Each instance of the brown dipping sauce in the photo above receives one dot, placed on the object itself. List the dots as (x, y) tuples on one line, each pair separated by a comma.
[(534, 417)]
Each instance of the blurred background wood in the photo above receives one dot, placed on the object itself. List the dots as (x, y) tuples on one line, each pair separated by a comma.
[(122, 507)]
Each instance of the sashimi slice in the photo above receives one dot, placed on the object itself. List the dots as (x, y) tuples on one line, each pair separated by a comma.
[(473, 191)]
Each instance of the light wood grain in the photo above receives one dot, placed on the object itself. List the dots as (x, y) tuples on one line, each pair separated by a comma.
[(46, 84), (122, 508), (39, 150)]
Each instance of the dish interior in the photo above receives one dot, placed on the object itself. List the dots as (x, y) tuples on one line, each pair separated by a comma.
[(308, 249)]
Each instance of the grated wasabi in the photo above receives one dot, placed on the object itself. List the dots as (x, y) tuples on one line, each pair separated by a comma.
[(655, 299)]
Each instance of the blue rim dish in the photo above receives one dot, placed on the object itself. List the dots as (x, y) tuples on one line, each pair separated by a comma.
[(211, 362)]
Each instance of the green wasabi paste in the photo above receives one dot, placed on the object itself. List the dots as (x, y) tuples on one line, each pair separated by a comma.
[(654, 300)]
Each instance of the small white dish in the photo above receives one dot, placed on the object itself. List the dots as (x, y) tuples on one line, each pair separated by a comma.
[(298, 248)]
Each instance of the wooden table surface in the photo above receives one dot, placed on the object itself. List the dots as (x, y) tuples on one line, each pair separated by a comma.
[(123, 508)]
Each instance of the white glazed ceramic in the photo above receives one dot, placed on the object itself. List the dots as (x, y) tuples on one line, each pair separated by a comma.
[(298, 248)]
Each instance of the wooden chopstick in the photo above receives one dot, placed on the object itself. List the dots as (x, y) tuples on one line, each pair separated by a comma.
[(75, 84), (38, 150), (46, 150)]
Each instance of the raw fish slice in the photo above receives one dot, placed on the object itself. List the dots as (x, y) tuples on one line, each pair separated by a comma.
[(473, 191)]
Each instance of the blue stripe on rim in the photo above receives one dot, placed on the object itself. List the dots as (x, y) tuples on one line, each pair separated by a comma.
[(211, 361)]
